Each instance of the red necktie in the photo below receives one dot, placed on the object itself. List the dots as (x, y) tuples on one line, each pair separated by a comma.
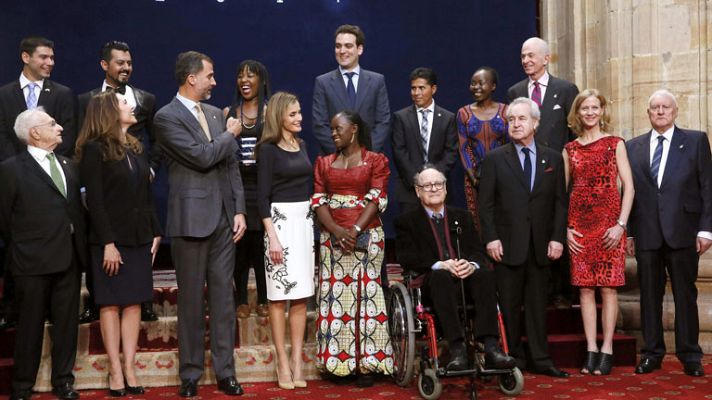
[(536, 94)]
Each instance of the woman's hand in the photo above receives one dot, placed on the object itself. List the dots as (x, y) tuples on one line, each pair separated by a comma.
[(154, 248), (612, 236), (112, 260), (276, 252), (574, 246), (346, 238)]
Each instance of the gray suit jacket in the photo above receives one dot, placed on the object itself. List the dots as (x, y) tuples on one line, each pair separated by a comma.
[(371, 103), (553, 131), (203, 177)]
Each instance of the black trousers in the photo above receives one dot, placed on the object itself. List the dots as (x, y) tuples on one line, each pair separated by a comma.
[(250, 254), (445, 291), (58, 293), (525, 286), (681, 266)]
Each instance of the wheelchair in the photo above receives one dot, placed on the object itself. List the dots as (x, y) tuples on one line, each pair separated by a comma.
[(410, 320)]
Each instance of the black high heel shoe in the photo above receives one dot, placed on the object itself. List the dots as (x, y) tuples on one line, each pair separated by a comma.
[(134, 390), (605, 364), (590, 362), (116, 392)]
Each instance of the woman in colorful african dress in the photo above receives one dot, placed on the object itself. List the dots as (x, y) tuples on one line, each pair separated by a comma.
[(349, 194), (481, 127), (595, 163)]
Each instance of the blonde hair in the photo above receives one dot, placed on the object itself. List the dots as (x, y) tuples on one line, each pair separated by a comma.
[(102, 124), (574, 119), (274, 117)]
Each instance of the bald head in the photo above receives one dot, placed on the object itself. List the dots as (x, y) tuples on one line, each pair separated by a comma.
[(535, 57)]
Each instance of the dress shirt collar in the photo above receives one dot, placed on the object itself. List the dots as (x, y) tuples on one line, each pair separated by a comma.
[(431, 212), (531, 147), (38, 154), (188, 103), (667, 134), (543, 81), (24, 81), (431, 107), (356, 70)]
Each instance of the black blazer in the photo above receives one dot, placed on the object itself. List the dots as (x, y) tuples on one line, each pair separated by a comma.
[(407, 149), (510, 213), (57, 100), (416, 248), (141, 130), (36, 220), (682, 206), (120, 204), (553, 131)]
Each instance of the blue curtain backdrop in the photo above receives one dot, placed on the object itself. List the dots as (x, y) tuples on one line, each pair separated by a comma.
[(293, 38)]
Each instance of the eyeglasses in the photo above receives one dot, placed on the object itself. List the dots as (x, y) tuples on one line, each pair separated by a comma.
[(51, 123), (432, 186)]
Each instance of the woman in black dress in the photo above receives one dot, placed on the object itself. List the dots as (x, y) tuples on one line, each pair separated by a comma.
[(124, 230), (253, 90)]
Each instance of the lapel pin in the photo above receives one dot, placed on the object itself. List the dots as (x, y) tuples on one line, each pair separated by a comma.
[(440, 115), (64, 162), (543, 161), (682, 145), (555, 95), (214, 117), (46, 90)]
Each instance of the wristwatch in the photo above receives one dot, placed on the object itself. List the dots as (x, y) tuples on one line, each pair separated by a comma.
[(358, 228)]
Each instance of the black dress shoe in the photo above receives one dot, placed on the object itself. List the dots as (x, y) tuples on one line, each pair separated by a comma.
[(552, 371), (25, 395), (458, 358), (89, 315), (7, 323), (647, 365), (497, 359), (65, 391), (147, 314), (188, 388), (693, 369), (230, 387)]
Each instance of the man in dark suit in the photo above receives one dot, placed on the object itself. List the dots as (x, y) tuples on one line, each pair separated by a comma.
[(41, 216), (523, 210), (32, 89), (428, 240), (118, 66), (421, 133), (350, 87), (670, 228), (554, 97), (206, 217)]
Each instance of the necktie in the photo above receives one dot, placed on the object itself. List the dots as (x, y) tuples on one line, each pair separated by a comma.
[(440, 229), (657, 157), (121, 89), (351, 89), (31, 96), (536, 94), (203, 122), (527, 167), (424, 132), (55, 174)]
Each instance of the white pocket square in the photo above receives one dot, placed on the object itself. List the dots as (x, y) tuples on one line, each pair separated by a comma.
[(556, 107)]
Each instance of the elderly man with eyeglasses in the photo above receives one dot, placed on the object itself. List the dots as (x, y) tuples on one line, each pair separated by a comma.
[(442, 243)]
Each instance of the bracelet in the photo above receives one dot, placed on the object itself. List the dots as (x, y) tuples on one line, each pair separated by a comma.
[(621, 224), (358, 228)]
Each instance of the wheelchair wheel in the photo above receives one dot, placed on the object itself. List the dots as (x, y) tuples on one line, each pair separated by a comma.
[(402, 327), (513, 383), (429, 385)]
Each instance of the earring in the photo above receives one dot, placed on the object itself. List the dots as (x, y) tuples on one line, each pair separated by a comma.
[(352, 138)]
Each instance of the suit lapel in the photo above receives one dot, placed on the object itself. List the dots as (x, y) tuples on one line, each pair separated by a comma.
[(413, 129), (34, 166), (138, 95), (423, 225), (19, 97), (190, 121), (72, 180), (46, 93), (541, 164), (338, 87), (437, 128), (513, 161), (551, 96), (643, 156), (677, 147), (364, 81)]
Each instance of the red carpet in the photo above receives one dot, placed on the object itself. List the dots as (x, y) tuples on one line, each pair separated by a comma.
[(668, 383)]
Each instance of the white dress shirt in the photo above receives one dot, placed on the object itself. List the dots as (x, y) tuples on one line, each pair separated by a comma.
[(24, 84), (129, 95), (357, 72), (40, 155), (543, 84)]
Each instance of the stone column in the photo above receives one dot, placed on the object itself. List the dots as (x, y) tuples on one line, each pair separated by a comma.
[(627, 49)]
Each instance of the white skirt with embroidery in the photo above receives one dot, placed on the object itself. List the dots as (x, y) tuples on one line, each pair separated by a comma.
[(294, 278)]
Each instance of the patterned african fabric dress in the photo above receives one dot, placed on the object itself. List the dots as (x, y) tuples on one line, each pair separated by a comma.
[(476, 138), (352, 326), (594, 206)]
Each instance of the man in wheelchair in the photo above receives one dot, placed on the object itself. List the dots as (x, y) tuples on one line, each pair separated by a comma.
[(427, 243)]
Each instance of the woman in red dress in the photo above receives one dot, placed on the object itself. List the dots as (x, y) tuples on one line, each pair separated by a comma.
[(349, 195), (596, 162)]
